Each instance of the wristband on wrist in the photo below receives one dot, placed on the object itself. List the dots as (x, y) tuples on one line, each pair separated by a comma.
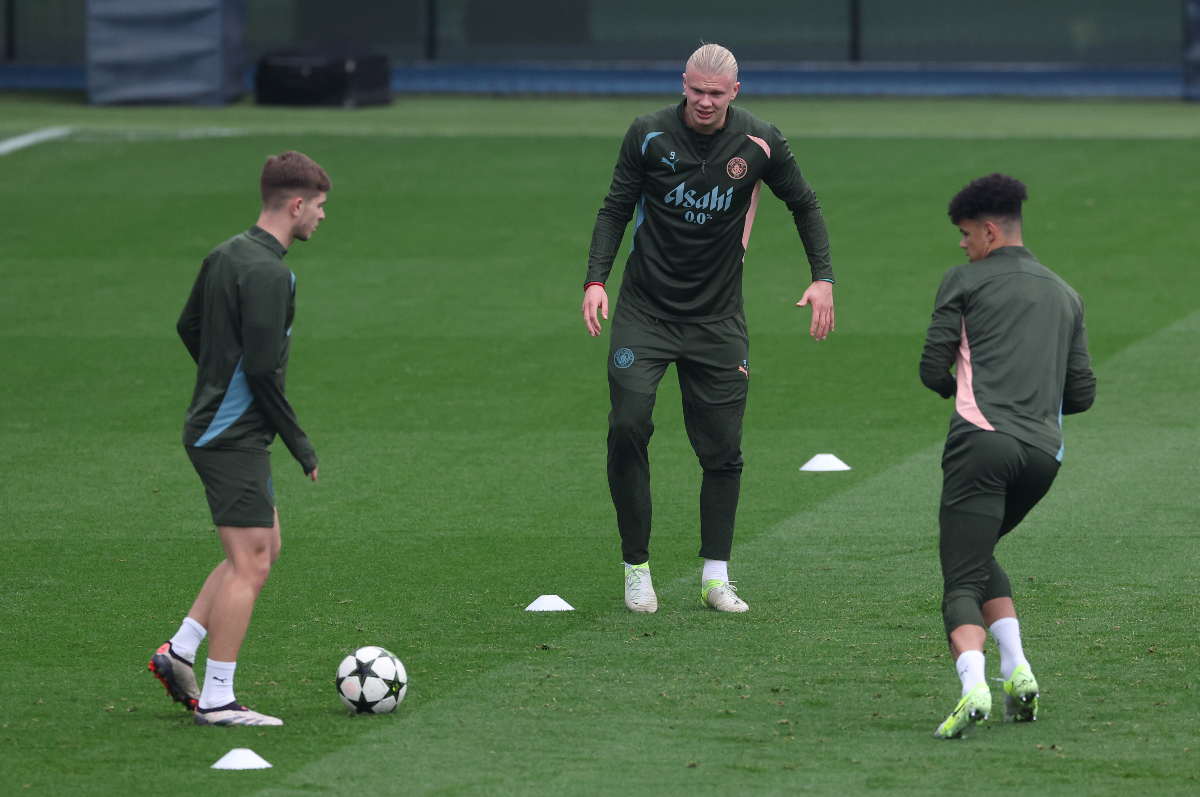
[(590, 284)]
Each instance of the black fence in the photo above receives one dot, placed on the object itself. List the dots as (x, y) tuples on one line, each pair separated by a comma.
[(1088, 32)]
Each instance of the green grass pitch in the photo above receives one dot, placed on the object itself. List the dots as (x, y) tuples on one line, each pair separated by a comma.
[(441, 367)]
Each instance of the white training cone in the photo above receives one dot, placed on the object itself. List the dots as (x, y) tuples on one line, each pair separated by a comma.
[(241, 758), (824, 462), (549, 603)]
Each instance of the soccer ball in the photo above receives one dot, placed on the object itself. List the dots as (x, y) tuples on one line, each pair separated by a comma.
[(371, 681)]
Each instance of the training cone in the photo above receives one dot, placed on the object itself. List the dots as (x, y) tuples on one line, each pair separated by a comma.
[(549, 603), (824, 462), (241, 758)]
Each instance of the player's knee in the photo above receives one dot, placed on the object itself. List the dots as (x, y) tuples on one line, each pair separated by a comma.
[(962, 607), (998, 585), (725, 460), (631, 416), (629, 426), (719, 449), (716, 435), (253, 566), (259, 572)]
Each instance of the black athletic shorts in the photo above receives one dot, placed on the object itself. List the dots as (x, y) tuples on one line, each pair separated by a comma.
[(711, 358), (237, 484), (994, 474)]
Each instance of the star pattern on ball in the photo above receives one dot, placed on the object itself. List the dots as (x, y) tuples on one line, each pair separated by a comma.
[(368, 677), (364, 670)]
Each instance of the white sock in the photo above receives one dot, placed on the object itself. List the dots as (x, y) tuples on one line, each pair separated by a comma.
[(714, 568), (187, 639), (970, 670), (1007, 633), (218, 684)]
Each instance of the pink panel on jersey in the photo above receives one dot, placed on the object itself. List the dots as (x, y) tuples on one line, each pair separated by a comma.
[(750, 217), (964, 402), (761, 143)]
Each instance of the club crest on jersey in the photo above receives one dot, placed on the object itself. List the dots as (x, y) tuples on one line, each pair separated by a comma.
[(623, 358), (736, 168)]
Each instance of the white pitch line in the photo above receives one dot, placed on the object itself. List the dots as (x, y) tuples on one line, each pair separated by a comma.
[(36, 137)]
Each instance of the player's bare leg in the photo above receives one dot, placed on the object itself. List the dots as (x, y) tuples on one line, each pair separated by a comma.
[(256, 549), (249, 554), (173, 663)]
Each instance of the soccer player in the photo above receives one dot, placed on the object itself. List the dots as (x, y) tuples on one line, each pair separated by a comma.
[(237, 325), (693, 171), (1015, 331)]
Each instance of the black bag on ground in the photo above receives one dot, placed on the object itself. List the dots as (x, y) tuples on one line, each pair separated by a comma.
[(334, 75)]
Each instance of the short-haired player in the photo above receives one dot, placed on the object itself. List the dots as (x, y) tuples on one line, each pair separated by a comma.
[(237, 325), (693, 173)]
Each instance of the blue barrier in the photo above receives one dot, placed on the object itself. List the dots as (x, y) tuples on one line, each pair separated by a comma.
[(42, 78), (955, 80), (946, 80)]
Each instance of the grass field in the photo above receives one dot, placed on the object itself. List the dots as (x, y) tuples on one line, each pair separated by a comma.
[(441, 368)]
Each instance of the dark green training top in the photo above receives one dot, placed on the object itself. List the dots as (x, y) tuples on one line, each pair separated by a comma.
[(237, 325), (696, 197), (1015, 331)]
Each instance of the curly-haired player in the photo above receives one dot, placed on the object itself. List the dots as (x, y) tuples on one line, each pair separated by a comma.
[(1015, 332)]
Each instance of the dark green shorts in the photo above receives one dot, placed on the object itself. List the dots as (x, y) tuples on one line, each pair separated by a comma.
[(993, 474), (237, 484), (711, 358)]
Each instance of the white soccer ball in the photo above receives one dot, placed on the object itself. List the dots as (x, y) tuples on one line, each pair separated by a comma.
[(371, 681)]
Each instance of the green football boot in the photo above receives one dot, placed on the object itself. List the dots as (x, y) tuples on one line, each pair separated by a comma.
[(974, 708), (1021, 696)]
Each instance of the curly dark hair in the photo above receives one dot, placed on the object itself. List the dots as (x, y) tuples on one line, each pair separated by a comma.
[(996, 196)]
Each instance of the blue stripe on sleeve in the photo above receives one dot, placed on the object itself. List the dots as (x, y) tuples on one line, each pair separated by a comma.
[(641, 215)]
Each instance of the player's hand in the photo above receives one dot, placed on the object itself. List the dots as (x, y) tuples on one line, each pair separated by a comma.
[(820, 296), (594, 298), (313, 475)]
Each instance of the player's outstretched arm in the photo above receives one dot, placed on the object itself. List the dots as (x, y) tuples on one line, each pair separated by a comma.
[(820, 296), (595, 300)]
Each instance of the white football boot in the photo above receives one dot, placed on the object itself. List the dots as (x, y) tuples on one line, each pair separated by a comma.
[(233, 714), (722, 596), (639, 591)]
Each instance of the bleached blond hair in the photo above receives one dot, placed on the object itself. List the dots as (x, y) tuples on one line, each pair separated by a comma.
[(713, 59)]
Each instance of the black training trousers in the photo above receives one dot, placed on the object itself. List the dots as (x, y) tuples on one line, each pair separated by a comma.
[(711, 359), (990, 481)]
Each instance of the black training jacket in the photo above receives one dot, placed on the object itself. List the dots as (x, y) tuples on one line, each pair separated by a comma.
[(695, 209)]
